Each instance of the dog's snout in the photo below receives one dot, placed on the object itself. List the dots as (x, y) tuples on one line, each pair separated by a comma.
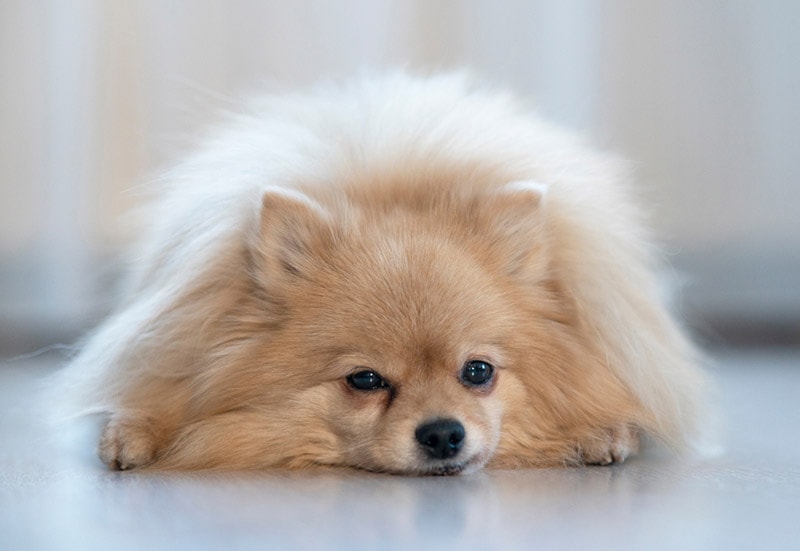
[(441, 438)]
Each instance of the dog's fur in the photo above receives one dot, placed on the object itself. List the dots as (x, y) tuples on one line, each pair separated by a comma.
[(406, 226)]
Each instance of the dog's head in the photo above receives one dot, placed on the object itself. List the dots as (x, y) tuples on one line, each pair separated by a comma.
[(398, 328)]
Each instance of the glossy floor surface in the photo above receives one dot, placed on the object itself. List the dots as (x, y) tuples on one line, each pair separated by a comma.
[(58, 496)]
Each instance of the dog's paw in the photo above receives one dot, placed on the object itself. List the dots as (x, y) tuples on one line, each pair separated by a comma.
[(614, 446), (128, 442)]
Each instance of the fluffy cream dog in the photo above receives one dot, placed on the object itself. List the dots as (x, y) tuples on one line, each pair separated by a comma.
[(402, 275)]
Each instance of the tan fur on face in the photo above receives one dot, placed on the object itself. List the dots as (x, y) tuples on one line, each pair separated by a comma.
[(406, 229)]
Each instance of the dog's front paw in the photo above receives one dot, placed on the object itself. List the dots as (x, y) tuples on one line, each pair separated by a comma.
[(613, 446), (128, 442)]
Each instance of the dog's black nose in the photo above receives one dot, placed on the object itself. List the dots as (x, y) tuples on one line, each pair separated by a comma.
[(441, 438)]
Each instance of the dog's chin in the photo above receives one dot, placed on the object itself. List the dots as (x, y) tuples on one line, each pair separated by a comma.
[(438, 468), (472, 465), (444, 470)]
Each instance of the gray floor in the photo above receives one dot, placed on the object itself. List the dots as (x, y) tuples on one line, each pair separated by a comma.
[(60, 497)]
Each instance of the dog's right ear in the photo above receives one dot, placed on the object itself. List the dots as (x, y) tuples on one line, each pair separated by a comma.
[(291, 232)]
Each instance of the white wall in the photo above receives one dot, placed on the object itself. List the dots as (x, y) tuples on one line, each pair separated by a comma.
[(96, 94)]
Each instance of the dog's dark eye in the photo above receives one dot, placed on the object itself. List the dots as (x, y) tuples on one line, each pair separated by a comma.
[(477, 373), (367, 380)]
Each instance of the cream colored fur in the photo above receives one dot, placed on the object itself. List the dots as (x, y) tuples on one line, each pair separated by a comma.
[(407, 225)]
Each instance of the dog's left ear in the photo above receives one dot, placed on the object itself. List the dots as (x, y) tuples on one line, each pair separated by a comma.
[(517, 214)]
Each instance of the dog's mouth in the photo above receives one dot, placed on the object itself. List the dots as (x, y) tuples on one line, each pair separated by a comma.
[(468, 464), (445, 470), (473, 464)]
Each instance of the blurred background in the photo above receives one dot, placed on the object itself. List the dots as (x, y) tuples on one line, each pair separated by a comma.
[(97, 95)]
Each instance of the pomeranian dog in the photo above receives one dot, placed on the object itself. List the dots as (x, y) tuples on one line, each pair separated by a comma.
[(400, 274)]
